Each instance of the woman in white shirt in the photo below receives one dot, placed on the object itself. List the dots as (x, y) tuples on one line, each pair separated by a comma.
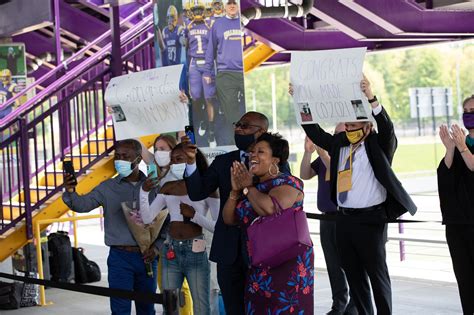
[(184, 253)]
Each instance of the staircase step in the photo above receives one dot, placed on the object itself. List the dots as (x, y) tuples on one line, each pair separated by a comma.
[(49, 179), (10, 213), (35, 195), (96, 146)]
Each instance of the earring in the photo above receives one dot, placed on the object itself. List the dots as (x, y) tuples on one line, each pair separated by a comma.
[(277, 170)]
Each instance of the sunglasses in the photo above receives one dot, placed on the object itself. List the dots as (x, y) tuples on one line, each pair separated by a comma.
[(244, 125)]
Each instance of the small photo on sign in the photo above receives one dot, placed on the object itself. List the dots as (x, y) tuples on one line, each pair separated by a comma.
[(359, 109), (118, 113), (305, 112)]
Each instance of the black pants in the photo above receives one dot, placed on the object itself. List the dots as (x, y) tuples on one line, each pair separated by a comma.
[(231, 94), (362, 249), (231, 279), (460, 240), (337, 277)]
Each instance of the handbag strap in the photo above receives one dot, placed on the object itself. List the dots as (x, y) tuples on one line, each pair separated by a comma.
[(276, 204)]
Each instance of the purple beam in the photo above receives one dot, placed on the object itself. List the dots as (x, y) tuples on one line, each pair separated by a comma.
[(413, 19), (115, 39)]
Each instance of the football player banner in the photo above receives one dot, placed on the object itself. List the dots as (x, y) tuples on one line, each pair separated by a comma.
[(326, 86), (146, 102), (197, 34)]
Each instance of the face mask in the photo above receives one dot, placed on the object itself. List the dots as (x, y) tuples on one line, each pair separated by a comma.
[(355, 136), (243, 142), (468, 120), (178, 170), (469, 141), (162, 158), (123, 168)]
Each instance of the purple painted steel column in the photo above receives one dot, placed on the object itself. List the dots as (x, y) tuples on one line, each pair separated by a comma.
[(25, 175), (116, 63), (65, 128)]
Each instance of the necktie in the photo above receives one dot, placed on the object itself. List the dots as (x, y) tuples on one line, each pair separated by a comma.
[(343, 195)]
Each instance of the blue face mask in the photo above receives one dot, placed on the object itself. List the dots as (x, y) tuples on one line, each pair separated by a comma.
[(123, 168)]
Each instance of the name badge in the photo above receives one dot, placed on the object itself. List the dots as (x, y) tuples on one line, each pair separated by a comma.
[(199, 246), (200, 62), (344, 181)]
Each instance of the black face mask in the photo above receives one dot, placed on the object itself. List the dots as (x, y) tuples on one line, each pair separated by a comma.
[(243, 142)]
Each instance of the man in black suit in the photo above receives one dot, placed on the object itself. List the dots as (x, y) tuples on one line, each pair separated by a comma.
[(367, 193), (227, 249)]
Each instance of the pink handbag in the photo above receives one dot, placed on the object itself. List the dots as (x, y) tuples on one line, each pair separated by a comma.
[(279, 237)]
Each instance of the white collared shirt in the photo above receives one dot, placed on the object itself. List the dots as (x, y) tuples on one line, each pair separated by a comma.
[(366, 190)]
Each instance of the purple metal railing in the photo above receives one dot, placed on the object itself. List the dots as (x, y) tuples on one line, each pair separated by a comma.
[(63, 67), (67, 119)]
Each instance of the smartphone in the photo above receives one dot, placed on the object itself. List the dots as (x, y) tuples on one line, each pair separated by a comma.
[(68, 168), (151, 168), (189, 130)]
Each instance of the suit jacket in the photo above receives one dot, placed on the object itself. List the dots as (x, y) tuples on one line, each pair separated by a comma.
[(380, 149), (225, 244)]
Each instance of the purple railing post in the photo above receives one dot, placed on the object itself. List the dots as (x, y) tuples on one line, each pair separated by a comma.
[(401, 230), (25, 175), (62, 113), (116, 64)]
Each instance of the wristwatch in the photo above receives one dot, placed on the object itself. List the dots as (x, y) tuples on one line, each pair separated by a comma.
[(373, 100)]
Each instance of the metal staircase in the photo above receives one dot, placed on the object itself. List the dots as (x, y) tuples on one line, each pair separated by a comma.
[(67, 118)]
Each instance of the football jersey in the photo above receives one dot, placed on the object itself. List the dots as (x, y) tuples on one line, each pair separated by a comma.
[(172, 45), (197, 34)]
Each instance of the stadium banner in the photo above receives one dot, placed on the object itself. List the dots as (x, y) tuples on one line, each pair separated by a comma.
[(326, 86), (208, 42), (146, 102), (12, 74)]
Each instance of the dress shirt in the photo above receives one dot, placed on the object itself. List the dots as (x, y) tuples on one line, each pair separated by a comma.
[(366, 190), (110, 194)]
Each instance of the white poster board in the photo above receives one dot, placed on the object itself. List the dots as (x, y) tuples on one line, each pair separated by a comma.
[(147, 102), (326, 86), (429, 101)]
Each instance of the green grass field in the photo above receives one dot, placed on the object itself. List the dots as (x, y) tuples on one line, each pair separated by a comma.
[(409, 158)]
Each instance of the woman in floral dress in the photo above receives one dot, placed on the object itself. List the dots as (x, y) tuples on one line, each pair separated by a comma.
[(287, 288)]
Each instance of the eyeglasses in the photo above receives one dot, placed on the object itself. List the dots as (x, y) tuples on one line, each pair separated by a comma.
[(244, 125)]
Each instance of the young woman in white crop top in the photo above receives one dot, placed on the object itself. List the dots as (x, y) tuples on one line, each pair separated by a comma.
[(184, 254)]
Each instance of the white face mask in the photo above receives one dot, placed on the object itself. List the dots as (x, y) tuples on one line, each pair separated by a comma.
[(162, 158), (178, 170)]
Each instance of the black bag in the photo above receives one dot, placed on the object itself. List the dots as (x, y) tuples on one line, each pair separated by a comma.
[(60, 256), (10, 295), (85, 270)]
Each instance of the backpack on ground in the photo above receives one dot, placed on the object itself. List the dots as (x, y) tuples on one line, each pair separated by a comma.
[(85, 270), (60, 256), (10, 295)]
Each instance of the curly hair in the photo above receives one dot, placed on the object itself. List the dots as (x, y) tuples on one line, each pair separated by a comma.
[(280, 147)]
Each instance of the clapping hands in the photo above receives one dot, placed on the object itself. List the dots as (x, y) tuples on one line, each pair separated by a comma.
[(240, 176)]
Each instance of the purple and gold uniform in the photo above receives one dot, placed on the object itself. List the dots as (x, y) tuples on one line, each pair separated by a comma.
[(198, 37), (173, 46)]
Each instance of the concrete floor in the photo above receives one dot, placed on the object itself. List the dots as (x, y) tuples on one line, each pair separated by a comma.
[(410, 296), (423, 283)]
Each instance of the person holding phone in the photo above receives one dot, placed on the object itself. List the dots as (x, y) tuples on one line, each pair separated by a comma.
[(184, 253), (126, 264)]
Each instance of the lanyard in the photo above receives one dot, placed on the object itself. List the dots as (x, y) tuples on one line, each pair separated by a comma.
[(349, 157)]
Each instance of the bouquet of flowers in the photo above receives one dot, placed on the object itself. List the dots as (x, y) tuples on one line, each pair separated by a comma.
[(145, 234)]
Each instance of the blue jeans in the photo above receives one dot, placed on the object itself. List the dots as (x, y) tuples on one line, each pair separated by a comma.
[(127, 271), (193, 266)]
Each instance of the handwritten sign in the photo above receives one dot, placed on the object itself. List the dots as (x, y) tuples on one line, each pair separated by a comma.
[(147, 102), (326, 86)]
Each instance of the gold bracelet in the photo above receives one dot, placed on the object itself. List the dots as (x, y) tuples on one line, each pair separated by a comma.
[(464, 150), (233, 197)]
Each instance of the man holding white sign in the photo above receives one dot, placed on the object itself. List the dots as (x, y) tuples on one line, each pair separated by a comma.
[(147, 102), (367, 194)]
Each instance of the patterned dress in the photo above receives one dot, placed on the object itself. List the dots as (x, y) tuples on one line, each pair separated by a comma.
[(287, 288)]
